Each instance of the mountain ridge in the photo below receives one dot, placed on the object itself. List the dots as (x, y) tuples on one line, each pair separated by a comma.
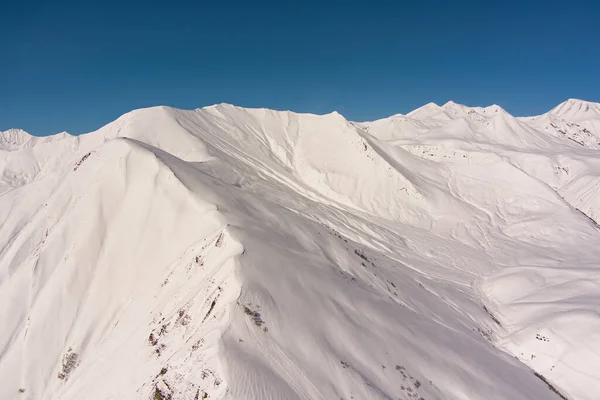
[(236, 253), (569, 103)]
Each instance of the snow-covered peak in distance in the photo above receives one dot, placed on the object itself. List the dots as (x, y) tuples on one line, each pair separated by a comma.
[(15, 139), (576, 110), (451, 110), (473, 125), (426, 111), (576, 120), (459, 109), (233, 253)]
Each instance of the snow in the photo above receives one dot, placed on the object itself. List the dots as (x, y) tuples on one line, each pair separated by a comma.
[(232, 253), (17, 139), (576, 110), (575, 119)]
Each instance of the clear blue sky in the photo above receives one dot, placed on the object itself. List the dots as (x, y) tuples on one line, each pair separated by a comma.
[(77, 66)]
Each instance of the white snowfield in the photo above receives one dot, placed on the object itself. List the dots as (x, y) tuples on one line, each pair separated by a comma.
[(231, 253)]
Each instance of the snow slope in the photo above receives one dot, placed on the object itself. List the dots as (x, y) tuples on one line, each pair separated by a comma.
[(574, 119), (231, 253)]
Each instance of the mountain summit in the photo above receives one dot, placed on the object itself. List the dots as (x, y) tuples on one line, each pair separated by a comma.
[(577, 110)]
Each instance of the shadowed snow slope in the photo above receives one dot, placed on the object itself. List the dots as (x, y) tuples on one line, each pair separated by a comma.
[(231, 253)]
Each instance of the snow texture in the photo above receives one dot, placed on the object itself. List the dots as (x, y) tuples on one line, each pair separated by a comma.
[(231, 253)]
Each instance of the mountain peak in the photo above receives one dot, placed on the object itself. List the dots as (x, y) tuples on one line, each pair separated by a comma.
[(14, 132), (452, 104), (576, 109), (425, 111), (14, 139)]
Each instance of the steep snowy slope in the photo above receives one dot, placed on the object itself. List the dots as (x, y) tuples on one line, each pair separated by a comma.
[(546, 303), (230, 253)]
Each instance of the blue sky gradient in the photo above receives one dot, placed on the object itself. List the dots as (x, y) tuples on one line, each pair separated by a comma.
[(74, 66)]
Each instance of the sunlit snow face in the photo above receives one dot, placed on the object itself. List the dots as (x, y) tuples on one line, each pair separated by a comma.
[(232, 253)]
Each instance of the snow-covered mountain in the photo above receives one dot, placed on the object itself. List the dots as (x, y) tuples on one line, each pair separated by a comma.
[(231, 253), (574, 119)]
